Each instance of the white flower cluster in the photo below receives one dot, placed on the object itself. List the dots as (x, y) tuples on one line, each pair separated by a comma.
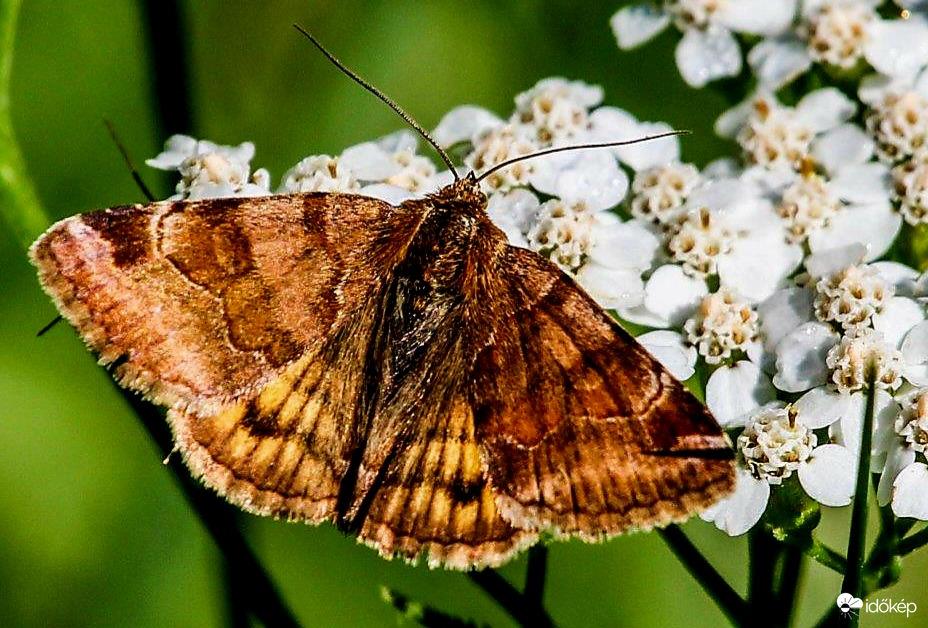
[(770, 264)]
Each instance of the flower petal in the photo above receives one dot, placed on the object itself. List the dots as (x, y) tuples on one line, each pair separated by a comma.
[(910, 492), (897, 460), (862, 183), (844, 145), (757, 266), (782, 312), (670, 350), (757, 17), (673, 295), (874, 226), (898, 316), (613, 289), (636, 24), (628, 245), (777, 62), (832, 260), (801, 357), (463, 124), (734, 391), (829, 475), (915, 355), (825, 109), (707, 55), (736, 514), (821, 406), (898, 48)]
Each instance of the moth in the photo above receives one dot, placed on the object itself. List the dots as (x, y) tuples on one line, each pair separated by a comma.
[(400, 371)]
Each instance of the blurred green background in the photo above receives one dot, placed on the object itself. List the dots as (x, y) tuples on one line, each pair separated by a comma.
[(93, 530)]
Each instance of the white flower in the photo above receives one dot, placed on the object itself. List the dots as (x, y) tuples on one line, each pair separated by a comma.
[(389, 168), (776, 136), (862, 186), (513, 212), (727, 228), (661, 190), (209, 170), (778, 441), (724, 323), (670, 350), (840, 34), (499, 144), (611, 124), (851, 296), (839, 30), (799, 326), (861, 355), (319, 173), (557, 109), (899, 123), (910, 188), (670, 297), (734, 391), (605, 255), (708, 49)]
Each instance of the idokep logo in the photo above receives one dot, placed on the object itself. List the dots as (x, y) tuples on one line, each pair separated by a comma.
[(849, 605)]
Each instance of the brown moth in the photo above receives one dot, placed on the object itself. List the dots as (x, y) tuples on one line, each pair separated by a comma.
[(400, 371)]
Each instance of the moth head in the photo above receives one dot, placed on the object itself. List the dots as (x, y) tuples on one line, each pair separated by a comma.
[(464, 194)]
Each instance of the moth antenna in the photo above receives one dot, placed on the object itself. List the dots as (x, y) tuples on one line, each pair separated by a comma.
[(47, 327), (562, 149), (111, 128), (383, 97)]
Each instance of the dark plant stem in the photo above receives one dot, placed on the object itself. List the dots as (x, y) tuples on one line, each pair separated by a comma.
[(510, 599), (166, 39), (790, 575), (535, 575), (219, 518), (911, 543), (235, 597), (764, 554), (712, 582), (853, 578)]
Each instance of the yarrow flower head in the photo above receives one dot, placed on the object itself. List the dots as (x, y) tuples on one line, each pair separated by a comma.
[(724, 324), (851, 297), (556, 109), (778, 441), (912, 423), (807, 206), (774, 444), (863, 355), (774, 136), (210, 170), (910, 188), (661, 190), (319, 173)]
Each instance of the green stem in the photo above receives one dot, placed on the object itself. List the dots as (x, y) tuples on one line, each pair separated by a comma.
[(726, 598), (19, 204), (853, 578), (790, 575), (824, 555), (911, 543)]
